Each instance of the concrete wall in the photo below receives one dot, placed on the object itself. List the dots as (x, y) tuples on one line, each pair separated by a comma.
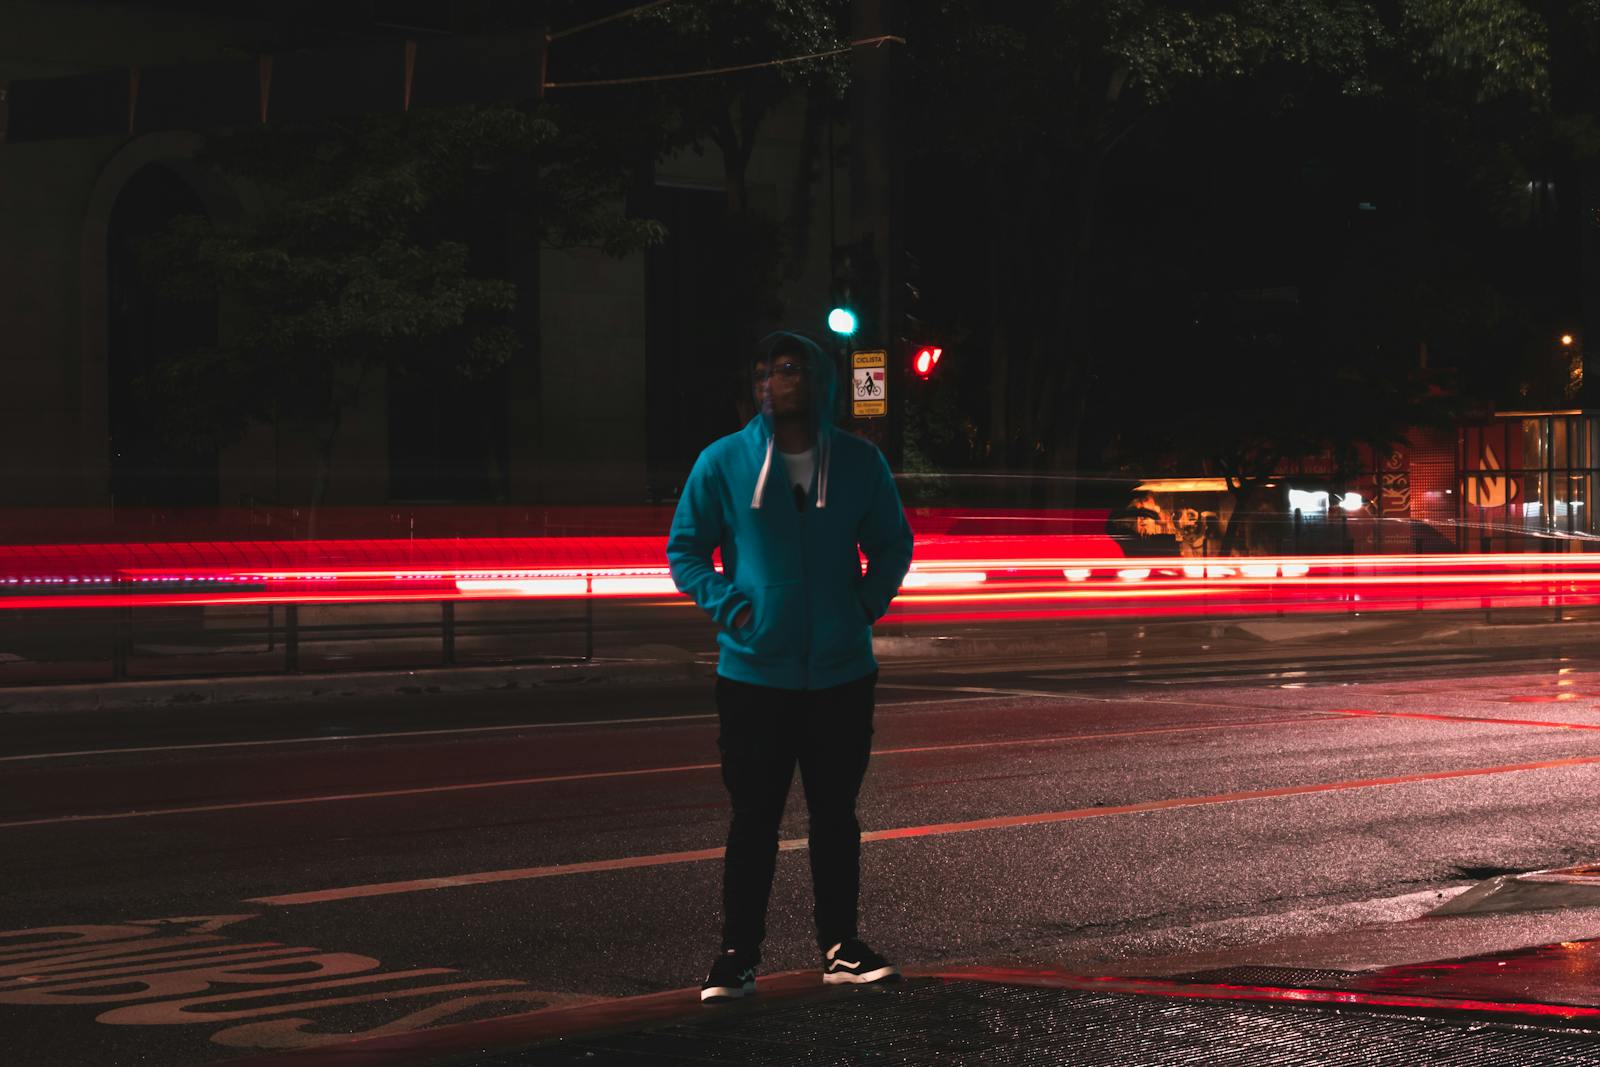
[(44, 38), (52, 418), (590, 424), (55, 199), (586, 442), (278, 464)]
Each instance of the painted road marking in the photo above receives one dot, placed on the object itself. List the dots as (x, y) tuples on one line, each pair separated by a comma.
[(388, 735), (983, 690), (1001, 822), (31, 972), (381, 794), (1438, 717), (350, 737), (1270, 669), (1141, 700), (1148, 731), (129, 973), (520, 874)]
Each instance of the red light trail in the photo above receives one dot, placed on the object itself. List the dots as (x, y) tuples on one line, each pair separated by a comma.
[(971, 566), (954, 578)]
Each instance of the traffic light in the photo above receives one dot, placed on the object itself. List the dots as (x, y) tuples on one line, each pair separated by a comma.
[(912, 328), (915, 333), (926, 359), (851, 284)]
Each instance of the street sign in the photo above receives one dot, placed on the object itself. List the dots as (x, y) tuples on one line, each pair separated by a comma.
[(869, 392)]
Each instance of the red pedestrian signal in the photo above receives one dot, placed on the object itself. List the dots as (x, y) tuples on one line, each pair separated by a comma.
[(926, 359)]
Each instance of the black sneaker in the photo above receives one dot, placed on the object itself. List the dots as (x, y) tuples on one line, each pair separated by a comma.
[(732, 976), (853, 961)]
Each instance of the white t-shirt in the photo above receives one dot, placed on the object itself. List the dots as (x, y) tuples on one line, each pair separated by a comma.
[(800, 465)]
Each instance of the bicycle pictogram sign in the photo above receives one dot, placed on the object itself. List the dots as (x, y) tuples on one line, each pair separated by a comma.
[(870, 377)]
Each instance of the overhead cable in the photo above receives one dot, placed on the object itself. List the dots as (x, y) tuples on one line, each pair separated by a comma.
[(878, 41), (570, 30)]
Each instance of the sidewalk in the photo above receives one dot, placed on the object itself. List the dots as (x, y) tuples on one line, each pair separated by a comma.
[(1370, 997)]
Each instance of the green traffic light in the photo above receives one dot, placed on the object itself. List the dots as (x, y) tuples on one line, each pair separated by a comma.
[(842, 321)]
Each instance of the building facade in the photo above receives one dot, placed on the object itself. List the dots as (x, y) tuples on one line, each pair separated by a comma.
[(615, 385)]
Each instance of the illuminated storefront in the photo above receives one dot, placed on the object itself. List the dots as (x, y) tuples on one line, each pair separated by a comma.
[(1397, 498), (1527, 481)]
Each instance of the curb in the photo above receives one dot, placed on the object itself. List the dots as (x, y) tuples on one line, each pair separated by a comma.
[(169, 693), (449, 1043), (1530, 632), (893, 648)]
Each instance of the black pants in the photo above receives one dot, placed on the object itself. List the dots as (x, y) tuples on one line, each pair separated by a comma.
[(765, 733)]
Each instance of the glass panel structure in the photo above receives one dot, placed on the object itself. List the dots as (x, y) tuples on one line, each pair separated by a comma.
[(1527, 482)]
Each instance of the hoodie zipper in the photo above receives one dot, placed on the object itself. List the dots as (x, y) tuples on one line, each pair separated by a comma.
[(757, 500), (805, 592)]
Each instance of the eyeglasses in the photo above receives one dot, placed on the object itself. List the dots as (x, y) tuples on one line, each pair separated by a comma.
[(784, 368)]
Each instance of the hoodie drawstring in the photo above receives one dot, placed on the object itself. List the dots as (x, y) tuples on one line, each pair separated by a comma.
[(824, 453), (761, 479), (825, 447)]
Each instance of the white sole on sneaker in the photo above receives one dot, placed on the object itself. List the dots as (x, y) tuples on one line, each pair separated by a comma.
[(852, 978), (718, 993)]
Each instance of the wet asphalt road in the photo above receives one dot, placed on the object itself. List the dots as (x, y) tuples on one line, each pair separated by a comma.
[(1039, 818)]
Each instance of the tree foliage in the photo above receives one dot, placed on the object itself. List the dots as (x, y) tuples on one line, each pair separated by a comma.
[(370, 247), (1047, 115), (759, 243), (728, 110)]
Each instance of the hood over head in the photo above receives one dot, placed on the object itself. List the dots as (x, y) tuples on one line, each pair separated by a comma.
[(824, 379), (821, 372)]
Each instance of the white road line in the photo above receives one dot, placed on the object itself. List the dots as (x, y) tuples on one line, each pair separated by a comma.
[(986, 691), (244, 805), (1074, 696), (352, 737), (1141, 700), (390, 734), (326, 798)]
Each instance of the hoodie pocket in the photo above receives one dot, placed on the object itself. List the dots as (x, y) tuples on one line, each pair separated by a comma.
[(840, 627), (775, 629)]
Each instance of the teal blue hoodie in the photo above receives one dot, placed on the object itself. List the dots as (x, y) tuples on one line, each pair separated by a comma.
[(798, 571)]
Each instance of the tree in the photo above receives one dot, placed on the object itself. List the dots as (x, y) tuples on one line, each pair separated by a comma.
[(729, 110), (358, 259), (1029, 107), (759, 244)]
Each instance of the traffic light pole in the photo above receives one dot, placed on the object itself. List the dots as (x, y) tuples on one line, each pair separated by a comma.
[(876, 182)]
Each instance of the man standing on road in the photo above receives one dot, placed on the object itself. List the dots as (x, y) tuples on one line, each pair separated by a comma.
[(789, 500)]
